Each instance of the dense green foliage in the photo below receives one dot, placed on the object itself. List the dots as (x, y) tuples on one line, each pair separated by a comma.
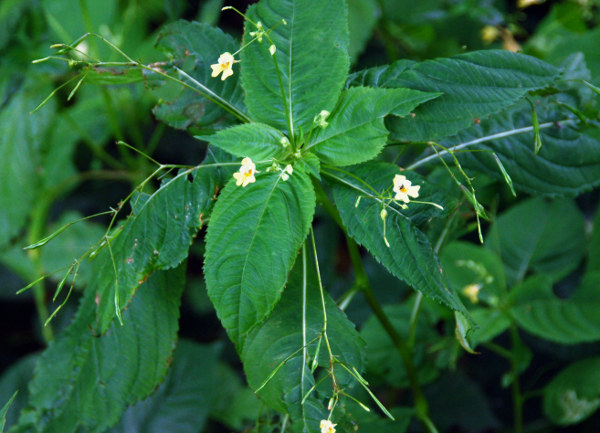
[(368, 213)]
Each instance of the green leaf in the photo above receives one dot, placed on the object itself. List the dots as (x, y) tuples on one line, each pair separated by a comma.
[(526, 238), (356, 131), (193, 47), (273, 355), (157, 235), (255, 140), (85, 380), (184, 400), (474, 85), (4, 410), (567, 321), (253, 238), (470, 266), (573, 394), (312, 59), (567, 164), (410, 256), (22, 141), (490, 324)]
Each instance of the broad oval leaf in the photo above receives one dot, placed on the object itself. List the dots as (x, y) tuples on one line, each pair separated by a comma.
[(157, 235), (356, 130), (526, 238), (253, 238), (193, 47), (474, 85), (567, 164), (312, 59), (255, 140), (573, 394), (567, 321), (410, 256), (85, 381)]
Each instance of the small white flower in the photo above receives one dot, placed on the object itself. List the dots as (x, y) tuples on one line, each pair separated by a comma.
[(327, 426), (246, 173), (284, 141), (272, 49), (321, 118), (404, 188)]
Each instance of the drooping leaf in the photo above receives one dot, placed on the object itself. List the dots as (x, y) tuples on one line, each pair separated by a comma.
[(157, 235), (567, 164), (184, 400), (253, 238), (193, 47), (356, 131), (255, 140), (278, 356), (526, 238), (312, 59), (410, 256), (573, 394), (567, 321), (474, 86), (85, 381)]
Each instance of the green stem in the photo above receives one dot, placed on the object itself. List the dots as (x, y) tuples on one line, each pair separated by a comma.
[(362, 281)]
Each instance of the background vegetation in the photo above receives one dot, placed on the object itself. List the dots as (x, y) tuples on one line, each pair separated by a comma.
[(535, 372)]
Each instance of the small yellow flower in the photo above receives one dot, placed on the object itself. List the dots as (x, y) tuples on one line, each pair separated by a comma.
[(246, 173), (404, 188), (272, 49), (522, 4), (287, 171), (472, 291), (224, 64), (489, 34), (327, 426)]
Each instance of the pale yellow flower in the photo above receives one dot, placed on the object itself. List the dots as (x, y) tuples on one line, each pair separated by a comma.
[(472, 291), (224, 64), (327, 426), (522, 4), (321, 119), (404, 188), (272, 49), (489, 34), (246, 173)]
